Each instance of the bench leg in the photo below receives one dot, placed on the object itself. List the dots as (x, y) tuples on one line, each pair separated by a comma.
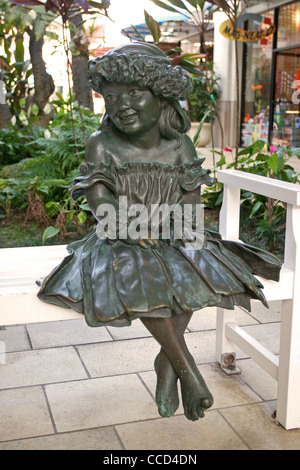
[(225, 349), (288, 394)]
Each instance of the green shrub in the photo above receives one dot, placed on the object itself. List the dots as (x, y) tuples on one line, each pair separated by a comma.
[(14, 144), (38, 168), (268, 215), (206, 91)]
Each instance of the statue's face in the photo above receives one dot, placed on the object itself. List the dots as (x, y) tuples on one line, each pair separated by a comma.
[(132, 109)]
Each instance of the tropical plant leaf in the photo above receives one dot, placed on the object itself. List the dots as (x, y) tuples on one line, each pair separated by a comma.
[(137, 32), (153, 26), (196, 137), (255, 208), (85, 207), (273, 162), (193, 3), (81, 217), (100, 5), (28, 2), (222, 160), (165, 6), (190, 67), (83, 4), (49, 232), (201, 4), (179, 4), (33, 109), (19, 51), (51, 5), (295, 151), (222, 4), (263, 227), (52, 208)]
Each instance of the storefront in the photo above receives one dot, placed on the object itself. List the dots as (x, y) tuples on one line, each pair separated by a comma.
[(271, 80)]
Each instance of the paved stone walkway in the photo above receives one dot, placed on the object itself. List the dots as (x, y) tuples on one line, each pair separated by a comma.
[(67, 386)]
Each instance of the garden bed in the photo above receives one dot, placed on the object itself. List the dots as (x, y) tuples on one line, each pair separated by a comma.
[(17, 232)]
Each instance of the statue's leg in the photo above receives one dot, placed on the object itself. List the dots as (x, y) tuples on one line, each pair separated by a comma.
[(166, 389), (166, 393), (195, 395)]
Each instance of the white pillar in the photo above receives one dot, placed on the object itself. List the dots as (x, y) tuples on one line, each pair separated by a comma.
[(224, 65)]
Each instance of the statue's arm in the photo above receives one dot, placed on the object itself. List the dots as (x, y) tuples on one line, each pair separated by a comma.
[(188, 155), (98, 193)]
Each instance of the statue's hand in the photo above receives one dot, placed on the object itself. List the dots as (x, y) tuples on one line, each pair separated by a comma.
[(129, 241), (149, 243), (144, 243)]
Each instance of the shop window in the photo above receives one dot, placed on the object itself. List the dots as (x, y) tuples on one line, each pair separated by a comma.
[(273, 67), (288, 32), (257, 74), (286, 120)]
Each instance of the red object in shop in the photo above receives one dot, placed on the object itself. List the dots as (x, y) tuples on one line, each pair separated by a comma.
[(298, 79), (264, 42), (267, 21)]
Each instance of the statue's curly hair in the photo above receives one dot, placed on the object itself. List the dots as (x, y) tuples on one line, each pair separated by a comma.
[(147, 65), (143, 63)]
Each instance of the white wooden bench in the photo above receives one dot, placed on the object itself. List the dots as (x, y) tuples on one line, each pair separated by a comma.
[(21, 267), (285, 368)]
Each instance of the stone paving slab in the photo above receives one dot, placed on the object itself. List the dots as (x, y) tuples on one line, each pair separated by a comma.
[(135, 330), (119, 357), (23, 369), (15, 338), (258, 379), (65, 333), (205, 319), (209, 433), (99, 402), (105, 438), (24, 413), (254, 424)]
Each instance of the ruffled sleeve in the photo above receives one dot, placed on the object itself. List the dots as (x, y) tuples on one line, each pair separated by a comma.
[(91, 174), (194, 176)]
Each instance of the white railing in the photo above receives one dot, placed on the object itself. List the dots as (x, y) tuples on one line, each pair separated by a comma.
[(285, 368)]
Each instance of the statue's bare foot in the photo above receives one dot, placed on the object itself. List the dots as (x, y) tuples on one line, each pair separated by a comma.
[(196, 397), (166, 389)]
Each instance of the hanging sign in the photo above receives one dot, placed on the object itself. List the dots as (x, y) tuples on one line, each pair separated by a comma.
[(227, 30)]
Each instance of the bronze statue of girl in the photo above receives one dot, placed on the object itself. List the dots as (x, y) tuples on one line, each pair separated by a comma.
[(142, 152)]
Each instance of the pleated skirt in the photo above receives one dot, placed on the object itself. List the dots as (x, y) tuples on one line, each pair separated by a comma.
[(113, 283)]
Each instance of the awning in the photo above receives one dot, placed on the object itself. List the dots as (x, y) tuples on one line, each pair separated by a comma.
[(173, 29)]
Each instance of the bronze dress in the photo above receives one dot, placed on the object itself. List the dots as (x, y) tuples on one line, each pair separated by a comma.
[(111, 282)]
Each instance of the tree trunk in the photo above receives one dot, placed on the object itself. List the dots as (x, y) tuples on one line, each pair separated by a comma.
[(5, 114), (80, 58), (43, 81)]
